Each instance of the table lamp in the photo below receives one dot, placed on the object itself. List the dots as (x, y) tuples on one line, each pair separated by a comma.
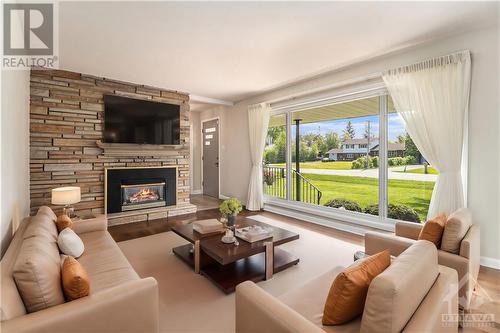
[(66, 196)]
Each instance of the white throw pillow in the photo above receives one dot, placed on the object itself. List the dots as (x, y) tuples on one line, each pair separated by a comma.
[(69, 243)]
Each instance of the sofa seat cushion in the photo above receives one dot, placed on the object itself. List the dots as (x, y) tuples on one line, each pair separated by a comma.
[(104, 262), (309, 300)]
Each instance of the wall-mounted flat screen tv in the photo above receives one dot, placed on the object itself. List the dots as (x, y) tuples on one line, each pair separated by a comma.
[(130, 120)]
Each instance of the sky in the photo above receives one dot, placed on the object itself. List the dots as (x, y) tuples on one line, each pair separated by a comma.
[(395, 126)]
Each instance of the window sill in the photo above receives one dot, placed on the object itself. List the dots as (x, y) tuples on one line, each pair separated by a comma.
[(348, 221)]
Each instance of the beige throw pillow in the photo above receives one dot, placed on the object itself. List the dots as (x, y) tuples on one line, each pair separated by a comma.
[(455, 229), (37, 274)]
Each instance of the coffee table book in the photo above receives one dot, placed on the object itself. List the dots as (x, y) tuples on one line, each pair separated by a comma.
[(208, 226)]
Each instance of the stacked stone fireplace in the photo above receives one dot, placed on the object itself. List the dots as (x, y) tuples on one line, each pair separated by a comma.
[(66, 131)]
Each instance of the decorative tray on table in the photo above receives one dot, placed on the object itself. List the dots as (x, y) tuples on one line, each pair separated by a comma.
[(254, 233)]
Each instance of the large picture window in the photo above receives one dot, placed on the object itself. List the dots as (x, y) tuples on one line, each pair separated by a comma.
[(351, 155)]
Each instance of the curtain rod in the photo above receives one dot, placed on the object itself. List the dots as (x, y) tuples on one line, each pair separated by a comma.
[(348, 82)]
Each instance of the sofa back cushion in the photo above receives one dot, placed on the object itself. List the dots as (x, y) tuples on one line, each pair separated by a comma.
[(47, 211), (395, 294), (41, 225), (11, 304), (37, 273), (455, 229)]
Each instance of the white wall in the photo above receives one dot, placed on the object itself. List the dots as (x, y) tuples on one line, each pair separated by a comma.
[(484, 147), (196, 158), (14, 193), (231, 129)]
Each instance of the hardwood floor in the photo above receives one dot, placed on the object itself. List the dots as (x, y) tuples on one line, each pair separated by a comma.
[(487, 296), (204, 202)]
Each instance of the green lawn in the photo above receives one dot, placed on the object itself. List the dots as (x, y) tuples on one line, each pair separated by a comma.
[(319, 165), (430, 170), (364, 190)]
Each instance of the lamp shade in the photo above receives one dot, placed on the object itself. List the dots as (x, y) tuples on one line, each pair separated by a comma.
[(66, 195)]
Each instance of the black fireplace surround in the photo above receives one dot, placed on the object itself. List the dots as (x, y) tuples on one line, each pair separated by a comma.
[(157, 179)]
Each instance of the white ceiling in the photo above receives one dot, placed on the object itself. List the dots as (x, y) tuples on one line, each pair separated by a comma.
[(232, 50)]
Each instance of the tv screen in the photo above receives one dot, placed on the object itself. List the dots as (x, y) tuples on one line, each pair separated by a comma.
[(130, 120)]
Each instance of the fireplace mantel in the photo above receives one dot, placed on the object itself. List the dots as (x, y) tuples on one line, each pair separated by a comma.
[(130, 149)]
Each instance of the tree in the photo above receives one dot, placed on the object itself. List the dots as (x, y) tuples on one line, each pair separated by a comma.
[(280, 146), (411, 149), (401, 138), (309, 138), (274, 132), (332, 141), (349, 132)]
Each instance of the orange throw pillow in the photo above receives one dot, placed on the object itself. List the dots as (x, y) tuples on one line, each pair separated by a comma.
[(75, 280), (63, 222), (433, 229), (347, 296)]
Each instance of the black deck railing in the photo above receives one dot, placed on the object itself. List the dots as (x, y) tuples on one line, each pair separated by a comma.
[(275, 185)]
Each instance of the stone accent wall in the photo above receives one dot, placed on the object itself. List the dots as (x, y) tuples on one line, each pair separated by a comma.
[(66, 120)]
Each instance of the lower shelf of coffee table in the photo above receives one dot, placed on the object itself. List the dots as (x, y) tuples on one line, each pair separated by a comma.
[(227, 277)]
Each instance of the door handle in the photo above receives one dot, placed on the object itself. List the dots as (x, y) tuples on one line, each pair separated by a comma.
[(217, 164)]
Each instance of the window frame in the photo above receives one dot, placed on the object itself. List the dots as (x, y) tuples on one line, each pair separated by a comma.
[(381, 221)]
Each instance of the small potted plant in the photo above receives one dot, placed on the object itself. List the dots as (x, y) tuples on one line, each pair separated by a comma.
[(268, 178), (230, 208)]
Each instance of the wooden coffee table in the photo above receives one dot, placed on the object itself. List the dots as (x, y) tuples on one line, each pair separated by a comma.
[(227, 265)]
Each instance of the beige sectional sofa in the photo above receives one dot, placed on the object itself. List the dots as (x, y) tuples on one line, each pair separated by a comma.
[(119, 300), (411, 295), (466, 262)]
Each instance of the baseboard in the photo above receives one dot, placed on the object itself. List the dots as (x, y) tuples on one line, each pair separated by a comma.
[(490, 262), (196, 192), (223, 197)]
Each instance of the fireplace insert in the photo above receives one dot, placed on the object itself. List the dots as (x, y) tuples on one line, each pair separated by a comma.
[(129, 189), (140, 196)]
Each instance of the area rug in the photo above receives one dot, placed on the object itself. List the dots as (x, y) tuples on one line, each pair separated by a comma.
[(191, 303)]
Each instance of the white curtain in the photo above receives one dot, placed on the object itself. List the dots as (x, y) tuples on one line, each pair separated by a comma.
[(258, 121), (433, 97)]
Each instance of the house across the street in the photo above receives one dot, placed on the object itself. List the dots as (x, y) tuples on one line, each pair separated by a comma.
[(355, 148)]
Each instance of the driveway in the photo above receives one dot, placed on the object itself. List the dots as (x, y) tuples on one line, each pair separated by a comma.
[(373, 173)]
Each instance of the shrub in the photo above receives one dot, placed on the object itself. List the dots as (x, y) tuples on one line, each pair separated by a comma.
[(270, 155), (344, 203), (371, 209), (410, 160), (375, 161), (395, 161), (398, 212), (360, 163)]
